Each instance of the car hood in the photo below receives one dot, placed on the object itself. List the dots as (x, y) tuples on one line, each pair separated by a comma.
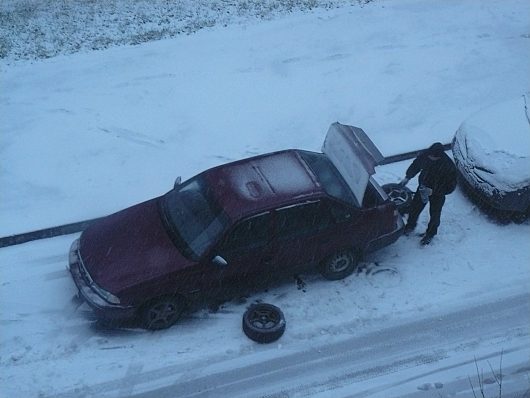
[(129, 247), (494, 145)]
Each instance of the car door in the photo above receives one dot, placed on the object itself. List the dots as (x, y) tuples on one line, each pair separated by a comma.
[(306, 234), (302, 231), (247, 251)]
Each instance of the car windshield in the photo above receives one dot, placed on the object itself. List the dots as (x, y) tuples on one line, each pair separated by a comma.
[(194, 216), (329, 177)]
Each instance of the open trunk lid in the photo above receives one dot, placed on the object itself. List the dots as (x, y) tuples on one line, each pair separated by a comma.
[(353, 154)]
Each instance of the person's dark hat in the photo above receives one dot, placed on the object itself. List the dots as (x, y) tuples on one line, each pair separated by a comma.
[(436, 150)]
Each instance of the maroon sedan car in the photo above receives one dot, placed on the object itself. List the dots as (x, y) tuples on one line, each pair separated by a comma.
[(235, 227)]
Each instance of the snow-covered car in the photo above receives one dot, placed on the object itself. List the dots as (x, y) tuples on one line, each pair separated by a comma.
[(491, 150), (236, 227)]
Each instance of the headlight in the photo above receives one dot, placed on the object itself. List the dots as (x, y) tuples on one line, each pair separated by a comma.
[(105, 295), (457, 151), (75, 258)]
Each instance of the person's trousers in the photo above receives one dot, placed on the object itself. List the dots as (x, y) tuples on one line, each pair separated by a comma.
[(436, 203)]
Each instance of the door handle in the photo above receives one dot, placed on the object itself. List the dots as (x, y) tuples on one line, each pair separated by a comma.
[(266, 260)]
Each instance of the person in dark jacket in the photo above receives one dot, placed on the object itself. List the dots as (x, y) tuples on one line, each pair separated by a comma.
[(437, 179)]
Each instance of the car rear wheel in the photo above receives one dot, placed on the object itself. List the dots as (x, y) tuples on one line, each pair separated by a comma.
[(263, 323), (340, 264), (400, 195), (162, 312)]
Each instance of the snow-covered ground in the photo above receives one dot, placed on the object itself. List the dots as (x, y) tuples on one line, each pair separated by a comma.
[(87, 134), (118, 125)]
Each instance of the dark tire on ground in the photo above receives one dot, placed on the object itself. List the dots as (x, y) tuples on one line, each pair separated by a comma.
[(519, 217), (340, 264), (263, 323), (400, 195), (162, 312)]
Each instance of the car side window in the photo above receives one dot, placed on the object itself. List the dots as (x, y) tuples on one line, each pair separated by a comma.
[(303, 219), (328, 176), (339, 212), (250, 233)]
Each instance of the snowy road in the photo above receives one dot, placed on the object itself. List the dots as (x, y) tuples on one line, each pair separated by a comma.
[(380, 363)]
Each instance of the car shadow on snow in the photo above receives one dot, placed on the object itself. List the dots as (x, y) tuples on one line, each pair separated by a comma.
[(377, 274)]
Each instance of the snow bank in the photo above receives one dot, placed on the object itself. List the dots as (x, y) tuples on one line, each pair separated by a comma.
[(33, 29)]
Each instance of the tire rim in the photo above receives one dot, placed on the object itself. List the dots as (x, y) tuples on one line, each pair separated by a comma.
[(340, 262), (398, 196), (264, 319), (162, 314)]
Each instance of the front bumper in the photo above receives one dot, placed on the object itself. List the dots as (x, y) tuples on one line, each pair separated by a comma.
[(484, 192), (102, 308)]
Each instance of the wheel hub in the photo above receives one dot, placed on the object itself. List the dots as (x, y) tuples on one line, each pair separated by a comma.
[(263, 319), (340, 263), (398, 196)]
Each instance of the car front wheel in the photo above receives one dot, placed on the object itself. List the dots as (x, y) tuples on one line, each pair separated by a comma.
[(162, 312), (519, 217), (339, 265)]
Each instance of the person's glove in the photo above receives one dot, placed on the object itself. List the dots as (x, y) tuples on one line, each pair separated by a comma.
[(425, 192), (404, 181)]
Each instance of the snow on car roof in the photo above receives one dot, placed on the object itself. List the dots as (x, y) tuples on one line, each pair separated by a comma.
[(261, 182), (497, 139)]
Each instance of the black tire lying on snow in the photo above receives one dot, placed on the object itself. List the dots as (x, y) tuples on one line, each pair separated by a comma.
[(263, 323)]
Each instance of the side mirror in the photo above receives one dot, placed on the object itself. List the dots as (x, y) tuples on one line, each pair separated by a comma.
[(178, 181), (219, 261)]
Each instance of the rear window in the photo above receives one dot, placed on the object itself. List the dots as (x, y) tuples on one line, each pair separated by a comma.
[(329, 177)]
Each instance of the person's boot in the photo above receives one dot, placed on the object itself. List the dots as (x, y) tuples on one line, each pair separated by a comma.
[(427, 238)]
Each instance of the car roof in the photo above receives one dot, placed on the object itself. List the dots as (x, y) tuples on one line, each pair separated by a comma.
[(262, 182)]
